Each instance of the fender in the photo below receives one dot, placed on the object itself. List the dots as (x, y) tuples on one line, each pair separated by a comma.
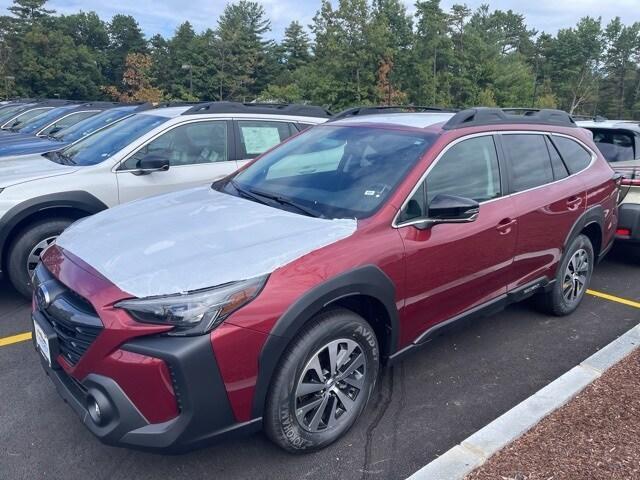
[(594, 214), (78, 200), (366, 280)]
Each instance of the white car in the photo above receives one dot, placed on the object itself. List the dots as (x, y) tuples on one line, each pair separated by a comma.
[(619, 143), (149, 153)]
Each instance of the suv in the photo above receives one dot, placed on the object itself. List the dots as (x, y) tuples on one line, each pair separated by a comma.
[(619, 143), (151, 152), (17, 118), (271, 298), (53, 121), (57, 140)]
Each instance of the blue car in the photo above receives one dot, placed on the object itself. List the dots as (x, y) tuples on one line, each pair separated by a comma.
[(29, 144)]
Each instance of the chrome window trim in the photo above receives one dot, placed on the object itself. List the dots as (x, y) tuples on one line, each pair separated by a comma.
[(409, 223)]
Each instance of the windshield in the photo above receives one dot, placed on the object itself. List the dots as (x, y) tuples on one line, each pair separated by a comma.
[(333, 172), (42, 120), (24, 117), (90, 125), (102, 145)]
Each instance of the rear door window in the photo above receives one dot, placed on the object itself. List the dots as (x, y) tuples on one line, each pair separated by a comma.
[(529, 159), (615, 145), (574, 155), (258, 136)]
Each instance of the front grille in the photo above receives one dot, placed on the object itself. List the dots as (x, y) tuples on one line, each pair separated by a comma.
[(74, 320)]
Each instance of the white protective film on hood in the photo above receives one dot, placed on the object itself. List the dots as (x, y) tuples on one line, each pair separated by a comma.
[(194, 239), (29, 167)]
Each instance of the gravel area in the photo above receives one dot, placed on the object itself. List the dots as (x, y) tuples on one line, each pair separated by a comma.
[(596, 436)]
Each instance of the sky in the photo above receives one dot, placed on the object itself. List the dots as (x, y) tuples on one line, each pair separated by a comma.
[(163, 16)]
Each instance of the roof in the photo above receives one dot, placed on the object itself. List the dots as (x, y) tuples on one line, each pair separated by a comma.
[(414, 120), (610, 124), (168, 112)]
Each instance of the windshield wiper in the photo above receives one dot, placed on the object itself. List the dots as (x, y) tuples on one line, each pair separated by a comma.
[(287, 201), (65, 159), (51, 137), (246, 193)]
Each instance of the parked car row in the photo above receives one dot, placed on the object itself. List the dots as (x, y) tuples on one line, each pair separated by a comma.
[(271, 295), (122, 154)]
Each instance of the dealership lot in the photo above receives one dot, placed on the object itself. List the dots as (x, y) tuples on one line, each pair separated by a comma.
[(422, 406)]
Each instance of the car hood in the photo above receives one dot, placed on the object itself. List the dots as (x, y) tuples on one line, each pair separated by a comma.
[(29, 167), (195, 239), (30, 146)]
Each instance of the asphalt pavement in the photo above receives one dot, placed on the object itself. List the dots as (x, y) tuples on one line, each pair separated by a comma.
[(423, 406)]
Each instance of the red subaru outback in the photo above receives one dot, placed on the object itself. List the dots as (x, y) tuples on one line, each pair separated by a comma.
[(271, 299)]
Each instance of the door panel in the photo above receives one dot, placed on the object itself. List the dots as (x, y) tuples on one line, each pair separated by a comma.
[(198, 154), (547, 207), (452, 268)]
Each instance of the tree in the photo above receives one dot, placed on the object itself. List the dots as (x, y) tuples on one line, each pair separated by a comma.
[(622, 44), (30, 11), (125, 37), (136, 81), (296, 46)]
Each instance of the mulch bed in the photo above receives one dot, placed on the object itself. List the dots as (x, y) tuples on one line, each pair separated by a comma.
[(594, 436)]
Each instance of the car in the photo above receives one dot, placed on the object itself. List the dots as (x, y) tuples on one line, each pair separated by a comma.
[(53, 121), (27, 111), (619, 143), (29, 144), (271, 298), (151, 152)]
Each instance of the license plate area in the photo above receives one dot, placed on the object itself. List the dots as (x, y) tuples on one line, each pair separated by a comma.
[(46, 340)]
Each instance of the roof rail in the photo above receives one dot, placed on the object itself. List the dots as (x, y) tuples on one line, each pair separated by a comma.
[(262, 108), (379, 109), (474, 117)]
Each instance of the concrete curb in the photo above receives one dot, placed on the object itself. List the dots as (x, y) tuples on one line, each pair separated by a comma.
[(459, 461)]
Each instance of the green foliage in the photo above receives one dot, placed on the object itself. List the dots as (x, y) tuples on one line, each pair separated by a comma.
[(354, 52)]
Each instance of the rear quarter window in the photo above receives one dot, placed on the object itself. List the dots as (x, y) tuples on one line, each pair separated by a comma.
[(575, 156)]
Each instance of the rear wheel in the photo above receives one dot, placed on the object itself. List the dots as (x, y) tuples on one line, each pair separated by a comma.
[(323, 382), (572, 279), (26, 248)]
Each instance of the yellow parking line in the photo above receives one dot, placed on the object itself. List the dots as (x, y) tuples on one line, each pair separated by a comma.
[(21, 337), (613, 298)]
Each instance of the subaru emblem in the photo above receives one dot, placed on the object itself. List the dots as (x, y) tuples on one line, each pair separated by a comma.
[(43, 299)]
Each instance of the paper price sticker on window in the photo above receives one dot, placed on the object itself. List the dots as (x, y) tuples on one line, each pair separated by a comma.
[(259, 139)]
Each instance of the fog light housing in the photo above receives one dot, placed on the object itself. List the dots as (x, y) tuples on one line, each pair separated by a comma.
[(99, 408)]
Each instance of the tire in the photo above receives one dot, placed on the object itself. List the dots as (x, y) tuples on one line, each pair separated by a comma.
[(341, 331), (567, 291), (24, 244)]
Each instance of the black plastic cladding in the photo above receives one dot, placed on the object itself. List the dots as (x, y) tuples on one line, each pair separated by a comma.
[(260, 108), (474, 117)]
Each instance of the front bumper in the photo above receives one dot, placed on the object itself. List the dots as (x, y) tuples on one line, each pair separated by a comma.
[(629, 218), (205, 414)]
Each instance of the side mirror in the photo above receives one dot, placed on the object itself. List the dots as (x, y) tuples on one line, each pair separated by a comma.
[(151, 163), (452, 209), (449, 209)]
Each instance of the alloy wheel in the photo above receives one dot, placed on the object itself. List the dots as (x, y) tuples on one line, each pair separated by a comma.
[(331, 385), (575, 276)]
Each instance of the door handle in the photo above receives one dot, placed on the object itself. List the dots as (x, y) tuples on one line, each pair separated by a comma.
[(574, 203), (506, 225)]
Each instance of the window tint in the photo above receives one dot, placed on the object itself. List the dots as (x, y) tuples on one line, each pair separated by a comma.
[(257, 137), (25, 117), (101, 120), (67, 122), (573, 154), (559, 168), (469, 169), (615, 145), (193, 143), (529, 157)]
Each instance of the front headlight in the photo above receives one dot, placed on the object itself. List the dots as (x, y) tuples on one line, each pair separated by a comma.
[(196, 312)]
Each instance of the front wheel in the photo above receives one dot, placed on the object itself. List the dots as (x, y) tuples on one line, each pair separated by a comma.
[(323, 383), (26, 248), (572, 279)]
